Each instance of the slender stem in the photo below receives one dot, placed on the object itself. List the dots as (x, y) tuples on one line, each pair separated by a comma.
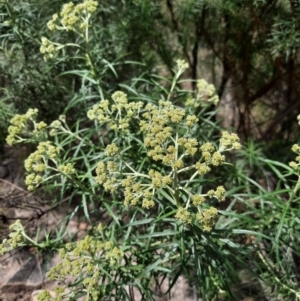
[(175, 175), (190, 179)]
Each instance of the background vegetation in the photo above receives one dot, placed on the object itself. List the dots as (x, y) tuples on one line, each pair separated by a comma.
[(249, 51)]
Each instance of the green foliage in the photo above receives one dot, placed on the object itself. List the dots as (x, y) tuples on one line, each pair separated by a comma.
[(153, 168), (117, 134)]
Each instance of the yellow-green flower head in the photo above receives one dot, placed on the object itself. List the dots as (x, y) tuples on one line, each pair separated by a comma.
[(15, 238), (177, 164), (111, 150), (229, 141), (67, 169), (166, 180), (37, 163), (207, 147), (73, 17), (31, 113), (101, 172), (198, 200), (120, 98), (112, 166), (47, 149), (206, 92), (220, 193), (40, 167), (211, 193), (159, 133), (13, 132), (190, 146), (217, 159), (296, 148), (294, 165), (44, 296), (202, 168), (41, 125), (19, 120), (183, 215), (206, 218), (20, 126), (158, 180), (16, 226), (45, 44), (191, 120), (48, 48), (118, 115), (67, 8), (90, 5), (147, 203), (79, 261), (51, 26), (191, 102), (127, 182), (182, 65), (176, 115)]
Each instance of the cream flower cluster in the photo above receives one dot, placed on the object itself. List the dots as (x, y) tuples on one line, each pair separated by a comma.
[(296, 149), (86, 259), (167, 132), (73, 17), (48, 48), (117, 114), (42, 162), (37, 163), (24, 126), (15, 238), (205, 94)]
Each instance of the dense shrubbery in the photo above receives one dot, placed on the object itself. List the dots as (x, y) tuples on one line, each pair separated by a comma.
[(134, 145)]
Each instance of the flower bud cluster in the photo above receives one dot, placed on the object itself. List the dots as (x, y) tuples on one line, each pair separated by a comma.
[(38, 162), (66, 169), (296, 164), (160, 126), (229, 141), (182, 65), (48, 48), (205, 216), (45, 158), (205, 94), (117, 114), (167, 139), (55, 126), (73, 17), (15, 239), (24, 125), (296, 149), (86, 259)]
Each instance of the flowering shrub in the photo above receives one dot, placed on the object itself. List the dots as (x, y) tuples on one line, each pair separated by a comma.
[(153, 158), (166, 133), (174, 160), (150, 163)]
